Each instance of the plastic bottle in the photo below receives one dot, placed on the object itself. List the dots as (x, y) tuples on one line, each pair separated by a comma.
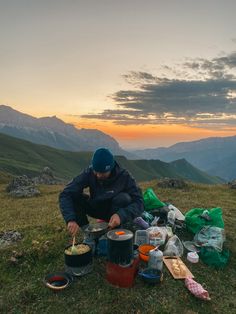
[(155, 220), (171, 218), (155, 259)]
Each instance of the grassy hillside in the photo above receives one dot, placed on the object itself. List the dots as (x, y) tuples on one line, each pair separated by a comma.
[(21, 157), (44, 240)]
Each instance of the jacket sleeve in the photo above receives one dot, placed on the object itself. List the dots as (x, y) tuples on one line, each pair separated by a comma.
[(136, 207), (71, 192)]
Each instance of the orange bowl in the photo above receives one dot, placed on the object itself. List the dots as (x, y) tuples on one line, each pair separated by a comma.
[(144, 251)]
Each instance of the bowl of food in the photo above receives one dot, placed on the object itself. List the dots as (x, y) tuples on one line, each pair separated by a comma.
[(151, 275), (58, 281), (143, 250), (83, 257)]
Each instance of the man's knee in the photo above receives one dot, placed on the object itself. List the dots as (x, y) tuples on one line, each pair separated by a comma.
[(121, 200)]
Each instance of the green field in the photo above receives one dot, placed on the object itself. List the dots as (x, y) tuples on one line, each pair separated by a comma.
[(42, 246)]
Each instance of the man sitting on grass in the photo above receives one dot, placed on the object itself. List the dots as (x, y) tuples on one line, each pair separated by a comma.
[(113, 195)]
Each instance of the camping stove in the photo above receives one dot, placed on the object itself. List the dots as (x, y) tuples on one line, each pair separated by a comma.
[(79, 271)]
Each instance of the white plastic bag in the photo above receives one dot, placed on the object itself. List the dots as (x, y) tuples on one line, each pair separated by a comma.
[(174, 247)]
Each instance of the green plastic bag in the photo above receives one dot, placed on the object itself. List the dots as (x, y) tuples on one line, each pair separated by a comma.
[(194, 222), (214, 258), (151, 201)]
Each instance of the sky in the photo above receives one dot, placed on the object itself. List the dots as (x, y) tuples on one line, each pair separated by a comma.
[(149, 73)]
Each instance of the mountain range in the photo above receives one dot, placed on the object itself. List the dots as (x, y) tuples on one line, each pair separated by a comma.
[(54, 132), (19, 157), (214, 155)]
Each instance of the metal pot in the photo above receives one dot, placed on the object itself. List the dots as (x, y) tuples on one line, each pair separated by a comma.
[(120, 246), (78, 260)]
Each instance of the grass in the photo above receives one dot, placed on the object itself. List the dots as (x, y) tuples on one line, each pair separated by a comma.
[(44, 239)]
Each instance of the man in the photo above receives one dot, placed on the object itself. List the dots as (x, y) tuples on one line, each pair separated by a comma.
[(113, 194)]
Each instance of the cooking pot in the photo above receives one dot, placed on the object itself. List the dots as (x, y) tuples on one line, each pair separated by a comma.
[(78, 260), (120, 246)]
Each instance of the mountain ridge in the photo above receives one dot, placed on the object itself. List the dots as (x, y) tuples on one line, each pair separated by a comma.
[(19, 157), (213, 155), (54, 132)]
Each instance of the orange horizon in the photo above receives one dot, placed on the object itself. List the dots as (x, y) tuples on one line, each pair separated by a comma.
[(149, 133)]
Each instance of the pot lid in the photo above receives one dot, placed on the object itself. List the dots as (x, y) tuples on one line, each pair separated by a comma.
[(120, 235)]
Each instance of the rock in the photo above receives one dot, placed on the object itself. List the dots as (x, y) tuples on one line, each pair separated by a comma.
[(22, 186), (232, 184), (172, 183), (27, 191), (47, 177), (9, 237), (18, 182), (47, 171)]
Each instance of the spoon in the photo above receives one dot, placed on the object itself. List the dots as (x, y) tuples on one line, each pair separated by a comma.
[(74, 250)]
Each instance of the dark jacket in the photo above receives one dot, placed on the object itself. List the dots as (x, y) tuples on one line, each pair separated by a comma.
[(119, 181)]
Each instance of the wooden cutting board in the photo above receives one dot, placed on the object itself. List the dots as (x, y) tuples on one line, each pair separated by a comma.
[(176, 267)]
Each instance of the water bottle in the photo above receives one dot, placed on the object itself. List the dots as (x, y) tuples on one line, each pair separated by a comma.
[(171, 218), (155, 259)]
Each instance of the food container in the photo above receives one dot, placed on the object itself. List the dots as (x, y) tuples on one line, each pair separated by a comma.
[(120, 246), (141, 237), (157, 235), (78, 260), (193, 257), (144, 251), (58, 281), (151, 276)]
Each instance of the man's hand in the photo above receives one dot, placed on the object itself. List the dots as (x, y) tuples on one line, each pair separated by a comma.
[(73, 227), (114, 221)]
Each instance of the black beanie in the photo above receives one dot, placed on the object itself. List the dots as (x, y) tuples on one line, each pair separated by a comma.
[(103, 160)]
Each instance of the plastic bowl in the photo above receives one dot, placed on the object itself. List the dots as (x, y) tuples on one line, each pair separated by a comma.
[(151, 275), (144, 251), (58, 281)]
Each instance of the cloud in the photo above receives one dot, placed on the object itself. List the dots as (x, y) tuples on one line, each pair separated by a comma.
[(200, 93)]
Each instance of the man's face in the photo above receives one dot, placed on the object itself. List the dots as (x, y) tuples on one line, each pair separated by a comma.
[(102, 175)]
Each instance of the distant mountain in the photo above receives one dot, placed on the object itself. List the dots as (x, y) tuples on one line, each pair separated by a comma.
[(22, 157), (214, 155), (53, 132)]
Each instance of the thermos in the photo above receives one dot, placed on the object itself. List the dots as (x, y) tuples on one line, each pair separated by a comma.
[(155, 259)]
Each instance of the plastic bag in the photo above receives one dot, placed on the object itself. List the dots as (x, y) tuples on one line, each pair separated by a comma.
[(210, 236), (197, 218), (214, 258), (196, 289), (174, 247), (151, 201), (157, 235)]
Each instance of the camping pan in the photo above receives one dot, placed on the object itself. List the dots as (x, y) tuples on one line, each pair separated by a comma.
[(96, 230)]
